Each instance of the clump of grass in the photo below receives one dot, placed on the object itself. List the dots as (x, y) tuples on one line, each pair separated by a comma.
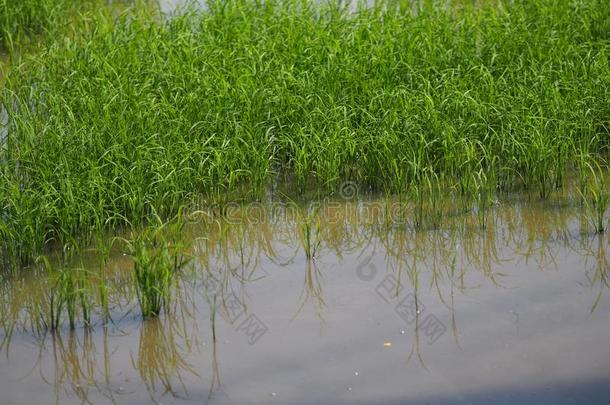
[(483, 190), (103, 249), (309, 226), (157, 256), (142, 114), (595, 192), (69, 294)]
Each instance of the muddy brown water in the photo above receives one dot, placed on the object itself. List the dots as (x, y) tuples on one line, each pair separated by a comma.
[(516, 312)]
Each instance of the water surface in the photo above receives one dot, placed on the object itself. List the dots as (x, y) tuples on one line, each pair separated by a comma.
[(513, 312)]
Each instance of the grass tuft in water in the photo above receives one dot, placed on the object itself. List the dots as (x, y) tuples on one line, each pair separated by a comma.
[(68, 295), (157, 257), (594, 190), (310, 231), (483, 195)]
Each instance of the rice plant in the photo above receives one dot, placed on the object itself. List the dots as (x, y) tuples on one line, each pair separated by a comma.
[(429, 201), (103, 252), (595, 192), (69, 295), (309, 226), (136, 115), (483, 195), (157, 257)]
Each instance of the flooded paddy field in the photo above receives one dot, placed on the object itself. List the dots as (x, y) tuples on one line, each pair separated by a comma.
[(302, 202), (371, 310)]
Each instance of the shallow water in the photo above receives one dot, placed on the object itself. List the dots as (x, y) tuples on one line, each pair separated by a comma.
[(516, 312)]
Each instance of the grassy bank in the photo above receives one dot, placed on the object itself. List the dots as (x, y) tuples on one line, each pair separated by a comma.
[(138, 116)]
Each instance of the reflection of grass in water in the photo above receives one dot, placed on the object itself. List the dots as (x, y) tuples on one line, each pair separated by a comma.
[(69, 294), (148, 115), (57, 290), (460, 246), (601, 272), (312, 290), (72, 292), (74, 364), (161, 358), (81, 370)]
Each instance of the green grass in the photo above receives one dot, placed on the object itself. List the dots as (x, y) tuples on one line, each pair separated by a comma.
[(26, 22), (20, 20), (137, 115), (594, 190), (18, 17), (309, 227), (68, 295), (158, 255), (85, 288)]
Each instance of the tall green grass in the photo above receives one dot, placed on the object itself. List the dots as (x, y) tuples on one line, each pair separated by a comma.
[(68, 296), (594, 189), (139, 115), (21, 20), (158, 255), (18, 17)]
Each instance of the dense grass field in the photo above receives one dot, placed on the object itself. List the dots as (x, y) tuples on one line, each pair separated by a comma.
[(140, 115)]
